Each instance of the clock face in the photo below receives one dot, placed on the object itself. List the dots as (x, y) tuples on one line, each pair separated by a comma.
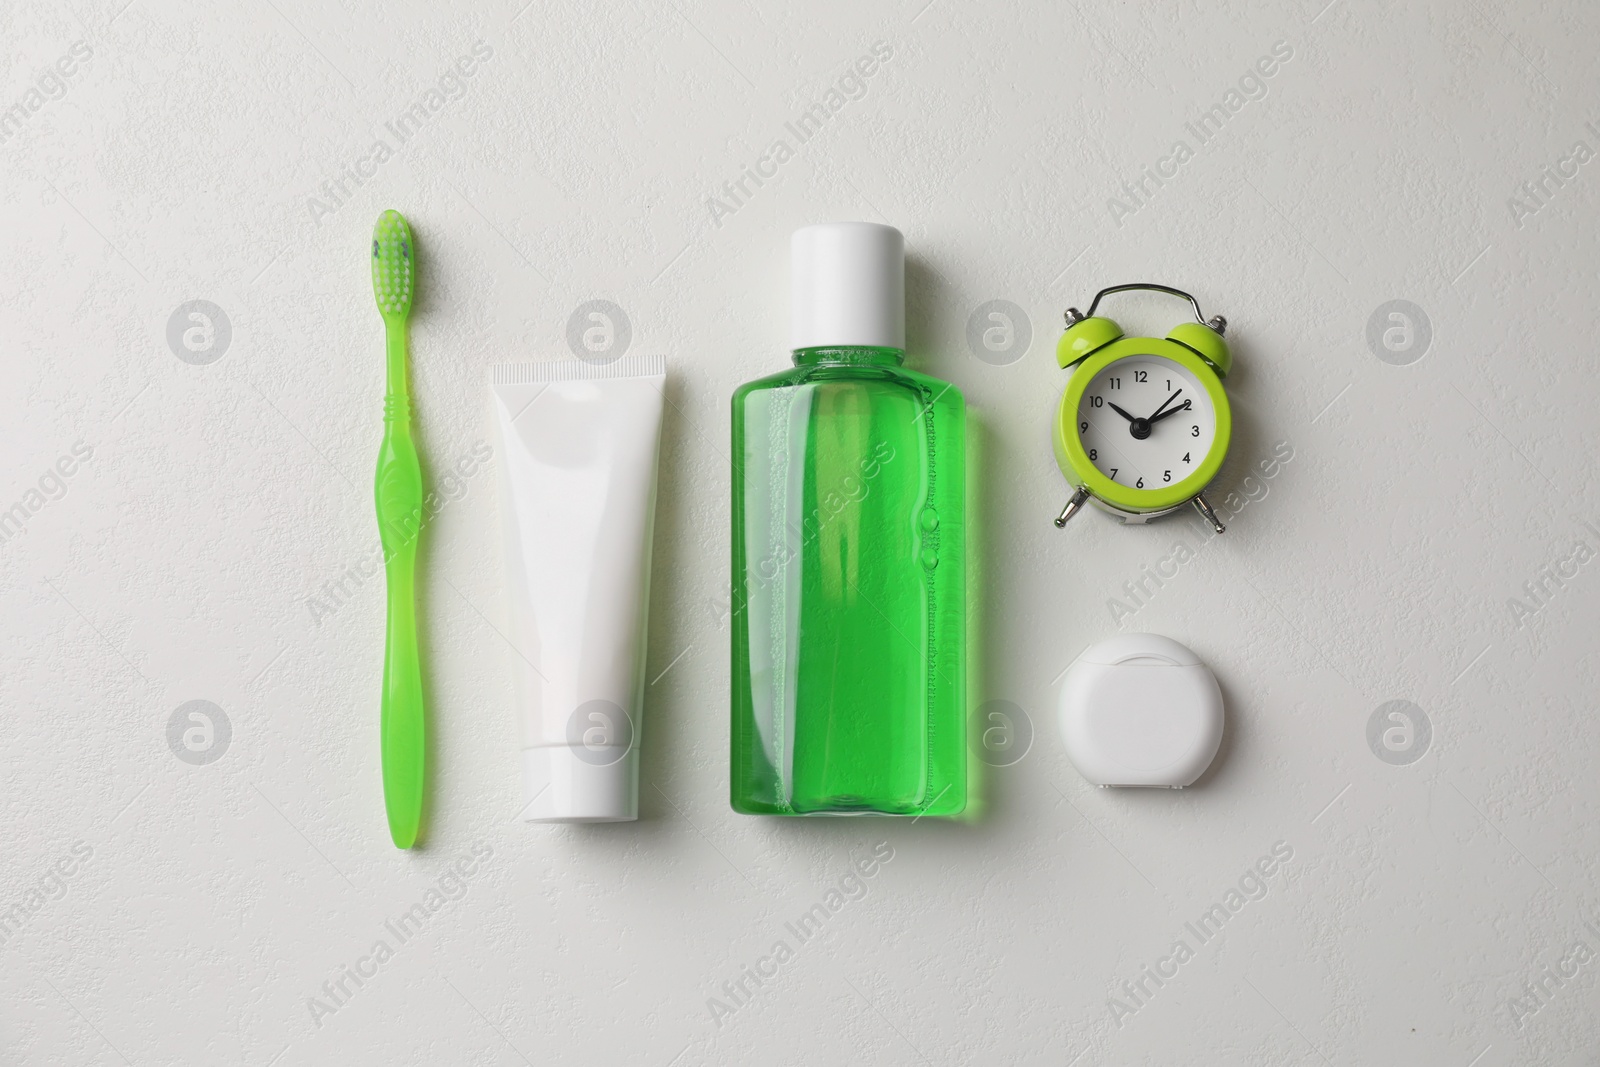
[(1146, 422)]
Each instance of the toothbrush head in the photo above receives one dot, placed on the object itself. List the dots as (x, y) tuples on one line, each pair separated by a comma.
[(393, 264)]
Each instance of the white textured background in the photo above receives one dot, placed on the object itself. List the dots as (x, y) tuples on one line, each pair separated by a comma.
[(186, 558)]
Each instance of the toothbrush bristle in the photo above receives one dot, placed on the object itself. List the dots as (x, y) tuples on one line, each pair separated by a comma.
[(392, 265)]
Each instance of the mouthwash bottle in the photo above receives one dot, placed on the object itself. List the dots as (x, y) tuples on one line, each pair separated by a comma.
[(849, 568)]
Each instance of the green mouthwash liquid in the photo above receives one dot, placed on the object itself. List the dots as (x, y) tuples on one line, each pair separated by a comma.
[(849, 568)]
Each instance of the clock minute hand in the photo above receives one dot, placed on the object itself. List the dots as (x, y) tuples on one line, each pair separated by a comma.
[(1181, 407), (1162, 412)]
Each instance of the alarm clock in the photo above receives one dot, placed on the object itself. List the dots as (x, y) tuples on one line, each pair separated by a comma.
[(1144, 423)]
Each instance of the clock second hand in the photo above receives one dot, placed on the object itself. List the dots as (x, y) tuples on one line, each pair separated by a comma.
[(1170, 411), (1163, 406)]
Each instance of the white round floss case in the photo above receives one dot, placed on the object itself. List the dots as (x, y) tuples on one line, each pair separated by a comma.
[(1141, 710)]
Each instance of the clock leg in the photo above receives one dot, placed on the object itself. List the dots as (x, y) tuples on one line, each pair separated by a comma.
[(1208, 512), (1075, 505)]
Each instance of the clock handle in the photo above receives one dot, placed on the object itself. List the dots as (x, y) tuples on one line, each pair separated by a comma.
[(1216, 322), (1205, 509)]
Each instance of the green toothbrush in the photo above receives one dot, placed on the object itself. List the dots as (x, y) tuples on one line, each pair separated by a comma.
[(398, 490)]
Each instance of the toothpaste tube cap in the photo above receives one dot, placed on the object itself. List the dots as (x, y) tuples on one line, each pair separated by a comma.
[(565, 783)]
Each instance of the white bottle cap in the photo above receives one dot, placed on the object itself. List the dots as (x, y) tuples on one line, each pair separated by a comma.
[(848, 285), (567, 784)]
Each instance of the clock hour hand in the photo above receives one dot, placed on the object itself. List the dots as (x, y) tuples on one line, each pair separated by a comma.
[(1119, 411), (1171, 411)]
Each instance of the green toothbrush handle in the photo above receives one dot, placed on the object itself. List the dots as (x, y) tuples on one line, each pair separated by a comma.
[(399, 500)]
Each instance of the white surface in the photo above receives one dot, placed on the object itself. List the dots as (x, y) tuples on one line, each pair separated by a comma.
[(1140, 710), (1376, 563), (848, 285)]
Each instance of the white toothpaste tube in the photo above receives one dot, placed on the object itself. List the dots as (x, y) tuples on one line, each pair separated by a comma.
[(578, 444)]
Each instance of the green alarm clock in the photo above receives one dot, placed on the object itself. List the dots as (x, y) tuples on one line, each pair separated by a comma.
[(1144, 422)]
